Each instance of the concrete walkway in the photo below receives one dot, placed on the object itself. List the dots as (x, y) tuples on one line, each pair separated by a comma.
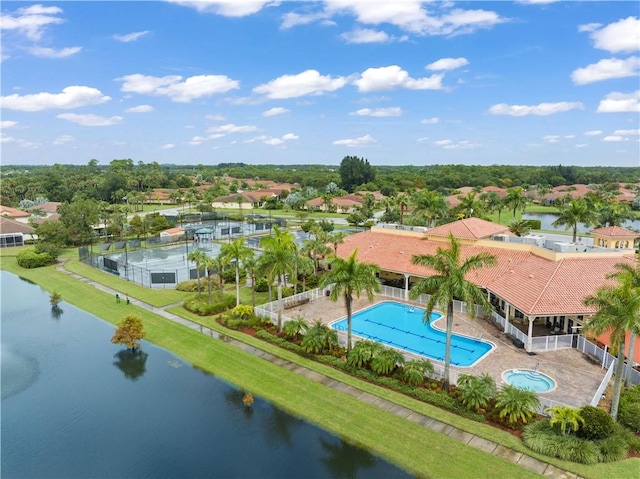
[(528, 462)]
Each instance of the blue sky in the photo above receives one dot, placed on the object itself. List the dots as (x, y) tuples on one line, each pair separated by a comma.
[(533, 82)]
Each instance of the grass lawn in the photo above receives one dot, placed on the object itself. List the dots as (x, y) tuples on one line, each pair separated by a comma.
[(412, 447)]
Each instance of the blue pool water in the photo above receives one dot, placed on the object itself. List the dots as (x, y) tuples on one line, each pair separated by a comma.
[(402, 327), (528, 379)]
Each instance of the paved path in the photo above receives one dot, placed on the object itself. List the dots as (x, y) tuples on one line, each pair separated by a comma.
[(472, 440)]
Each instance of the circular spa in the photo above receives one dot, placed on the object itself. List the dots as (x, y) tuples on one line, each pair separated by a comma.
[(529, 379)]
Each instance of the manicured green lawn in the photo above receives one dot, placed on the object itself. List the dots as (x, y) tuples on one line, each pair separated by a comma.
[(402, 442)]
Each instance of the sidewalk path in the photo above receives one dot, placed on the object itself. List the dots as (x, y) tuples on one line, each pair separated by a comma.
[(528, 462)]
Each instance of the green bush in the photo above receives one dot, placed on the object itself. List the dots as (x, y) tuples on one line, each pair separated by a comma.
[(312, 281), (229, 275), (541, 437), (30, 259), (613, 448), (190, 286), (633, 441), (629, 411), (52, 249), (535, 224), (287, 291), (262, 285), (201, 307), (597, 423)]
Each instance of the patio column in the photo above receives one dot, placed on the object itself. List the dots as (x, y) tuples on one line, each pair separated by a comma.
[(530, 334), (506, 316), (564, 324), (406, 286)]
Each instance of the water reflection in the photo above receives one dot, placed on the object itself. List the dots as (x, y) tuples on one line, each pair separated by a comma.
[(345, 460), (133, 363), (56, 312)]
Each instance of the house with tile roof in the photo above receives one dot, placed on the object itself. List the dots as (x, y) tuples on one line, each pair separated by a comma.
[(536, 291), (14, 233), (13, 213)]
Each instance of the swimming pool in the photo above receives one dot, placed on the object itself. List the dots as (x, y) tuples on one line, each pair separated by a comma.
[(402, 327)]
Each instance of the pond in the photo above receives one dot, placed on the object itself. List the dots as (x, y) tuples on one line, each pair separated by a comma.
[(546, 220), (76, 406)]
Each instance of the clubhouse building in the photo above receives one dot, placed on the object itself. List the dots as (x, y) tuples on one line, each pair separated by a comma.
[(537, 286)]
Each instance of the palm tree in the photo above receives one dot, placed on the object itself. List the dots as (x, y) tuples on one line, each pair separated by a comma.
[(520, 227), (350, 277), (516, 405), (428, 206), (450, 283), (617, 311), (216, 264), (386, 361), (251, 267), (576, 211), (568, 418), (237, 252), (476, 391), (415, 371), (403, 202), (277, 260), (363, 353), (319, 338), (614, 214), (198, 257), (336, 238), (516, 200), (470, 206), (295, 328), (628, 274)]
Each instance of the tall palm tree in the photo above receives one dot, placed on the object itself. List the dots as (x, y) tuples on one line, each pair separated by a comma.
[(198, 257), (614, 214), (277, 260), (351, 278), (628, 274), (428, 206), (237, 252), (450, 283), (617, 311), (251, 267), (470, 206), (574, 212), (336, 238), (516, 200)]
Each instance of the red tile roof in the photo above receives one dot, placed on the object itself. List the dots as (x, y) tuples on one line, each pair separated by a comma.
[(172, 231), (470, 228), (615, 232), (11, 226), (49, 207), (535, 285), (13, 212)]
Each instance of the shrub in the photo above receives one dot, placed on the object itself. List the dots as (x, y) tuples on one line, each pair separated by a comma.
[(287, 291), (262, 285), (597, 423), (515, 406), (242, 311), (629, 416), (229, 275), (52, 249), (30, 259), (201, 307), (475, 392), (190, 286), (613, 448), (541, 437)]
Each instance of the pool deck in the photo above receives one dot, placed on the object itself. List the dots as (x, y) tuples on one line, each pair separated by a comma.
[(577, 379)]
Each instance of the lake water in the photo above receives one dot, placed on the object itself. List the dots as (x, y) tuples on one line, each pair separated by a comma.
[(546, 220), (75, 406)]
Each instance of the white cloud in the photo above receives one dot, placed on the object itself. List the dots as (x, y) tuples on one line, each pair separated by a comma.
[(214, 117), (227, 8), (616, 102), (627, 132), (606, 69), (168, 146), (309, 82), (90, 120), (179, 91), (275, 111), (196, 140), (620, 36), (408, 15), (613, 138), (543, 109), (447, 64), (430, 121), (354, 142), (62, 139), (293, 19), (139, 109), (379, 112), (130, 37), (31, 21), (391, 77), (456, 145), (552, 138), (366, 35), (70, 97), (4, 124), (44, 52), (231, 128), (273, 141), (593, 132), (424, 138)]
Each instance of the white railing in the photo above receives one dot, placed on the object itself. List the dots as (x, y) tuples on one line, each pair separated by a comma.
[(603, 384), (552, 343), (391, 292), (515, 332), (590, 349), (548, 403)]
